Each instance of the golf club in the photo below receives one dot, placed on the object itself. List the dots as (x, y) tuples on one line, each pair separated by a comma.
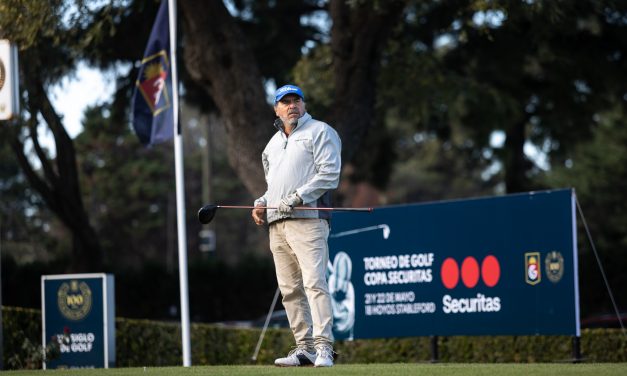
[(207, 212)]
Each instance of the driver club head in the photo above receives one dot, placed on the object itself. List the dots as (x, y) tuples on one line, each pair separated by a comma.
[(206, 213)]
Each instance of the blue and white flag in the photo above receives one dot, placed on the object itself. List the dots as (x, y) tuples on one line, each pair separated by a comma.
[(152, 114)]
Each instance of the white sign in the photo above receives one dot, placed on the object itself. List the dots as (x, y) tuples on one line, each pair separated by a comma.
[(9, 78)]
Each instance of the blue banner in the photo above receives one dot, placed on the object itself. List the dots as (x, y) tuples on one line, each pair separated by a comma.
[(488, 266), (152, 114)]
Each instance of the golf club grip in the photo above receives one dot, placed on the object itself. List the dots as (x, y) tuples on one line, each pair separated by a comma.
[(297, 208)]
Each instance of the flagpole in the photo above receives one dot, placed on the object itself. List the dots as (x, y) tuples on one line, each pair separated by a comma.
[(180, 193)]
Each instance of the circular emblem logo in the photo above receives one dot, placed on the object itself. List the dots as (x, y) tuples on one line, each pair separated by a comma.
[(554, 266), (3, 74), (74, 300)]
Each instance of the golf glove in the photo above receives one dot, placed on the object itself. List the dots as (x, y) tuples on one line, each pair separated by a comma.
[(261, 201), (288, 202)]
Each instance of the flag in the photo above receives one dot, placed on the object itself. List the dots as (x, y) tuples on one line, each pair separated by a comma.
[(152, 114)]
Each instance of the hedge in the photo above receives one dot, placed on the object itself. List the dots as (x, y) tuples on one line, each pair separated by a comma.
[(152, 343)]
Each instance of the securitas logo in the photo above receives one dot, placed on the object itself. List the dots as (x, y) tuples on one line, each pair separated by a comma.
[(471, 273)]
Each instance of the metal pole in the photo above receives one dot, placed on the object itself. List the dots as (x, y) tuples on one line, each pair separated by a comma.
[(435, 357), (206, 163), (1, 330), (180, 194), (576, 349), (265, 325), (596, 255), (207, 242)]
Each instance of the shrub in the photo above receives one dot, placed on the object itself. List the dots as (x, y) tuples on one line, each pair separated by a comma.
[(155, 343)]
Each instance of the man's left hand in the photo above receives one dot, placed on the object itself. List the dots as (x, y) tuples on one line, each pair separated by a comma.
[(289, 202)]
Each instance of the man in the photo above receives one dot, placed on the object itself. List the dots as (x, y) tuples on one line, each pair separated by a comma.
[(302, 164)]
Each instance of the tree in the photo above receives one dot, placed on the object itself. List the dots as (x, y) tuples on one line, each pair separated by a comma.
[(127, 189), (383, 74), (597, 169), (546, 70), (24, 222), (49, 34), (219, 57)]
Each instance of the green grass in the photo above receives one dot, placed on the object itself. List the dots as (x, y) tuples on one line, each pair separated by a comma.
[(401, 369)]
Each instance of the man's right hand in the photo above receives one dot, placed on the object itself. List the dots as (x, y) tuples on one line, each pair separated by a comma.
[(258, 214)]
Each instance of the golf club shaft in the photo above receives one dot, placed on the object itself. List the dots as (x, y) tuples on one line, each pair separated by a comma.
[(296, 208)]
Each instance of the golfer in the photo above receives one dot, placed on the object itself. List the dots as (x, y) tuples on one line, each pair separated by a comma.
[(302, 165)]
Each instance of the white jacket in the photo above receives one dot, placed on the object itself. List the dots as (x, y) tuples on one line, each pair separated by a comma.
[(307, 162)]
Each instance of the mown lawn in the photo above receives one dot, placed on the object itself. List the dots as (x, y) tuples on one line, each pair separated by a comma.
[(456, 369)]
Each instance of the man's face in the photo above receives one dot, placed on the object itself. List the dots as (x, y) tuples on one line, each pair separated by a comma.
[(289, 109)]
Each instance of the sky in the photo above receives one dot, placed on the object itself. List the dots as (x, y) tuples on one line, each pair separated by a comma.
[(74, 94)]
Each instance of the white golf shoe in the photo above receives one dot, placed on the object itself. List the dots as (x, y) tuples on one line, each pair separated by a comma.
[(324, 356), (298, 357)]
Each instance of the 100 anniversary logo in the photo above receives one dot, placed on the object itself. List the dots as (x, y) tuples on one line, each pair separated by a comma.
[(74, 300), (3, 74)]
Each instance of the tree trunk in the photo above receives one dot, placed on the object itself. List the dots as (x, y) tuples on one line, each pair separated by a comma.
[(59, 186), (219, 59), (86, 251), (516, 163), (358, 37)]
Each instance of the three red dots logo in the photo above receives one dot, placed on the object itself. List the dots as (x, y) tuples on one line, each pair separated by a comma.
[(489, 272)]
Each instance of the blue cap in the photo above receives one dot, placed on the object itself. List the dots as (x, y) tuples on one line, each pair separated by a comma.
[(288, 89)]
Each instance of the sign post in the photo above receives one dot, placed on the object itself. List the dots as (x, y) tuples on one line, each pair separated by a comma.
[(9, 107), (78, 317)]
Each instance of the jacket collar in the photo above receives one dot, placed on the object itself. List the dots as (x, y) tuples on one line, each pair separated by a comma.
[(303, 119)]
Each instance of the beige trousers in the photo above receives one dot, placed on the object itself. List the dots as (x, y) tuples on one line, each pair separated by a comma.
[(301, 253)]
